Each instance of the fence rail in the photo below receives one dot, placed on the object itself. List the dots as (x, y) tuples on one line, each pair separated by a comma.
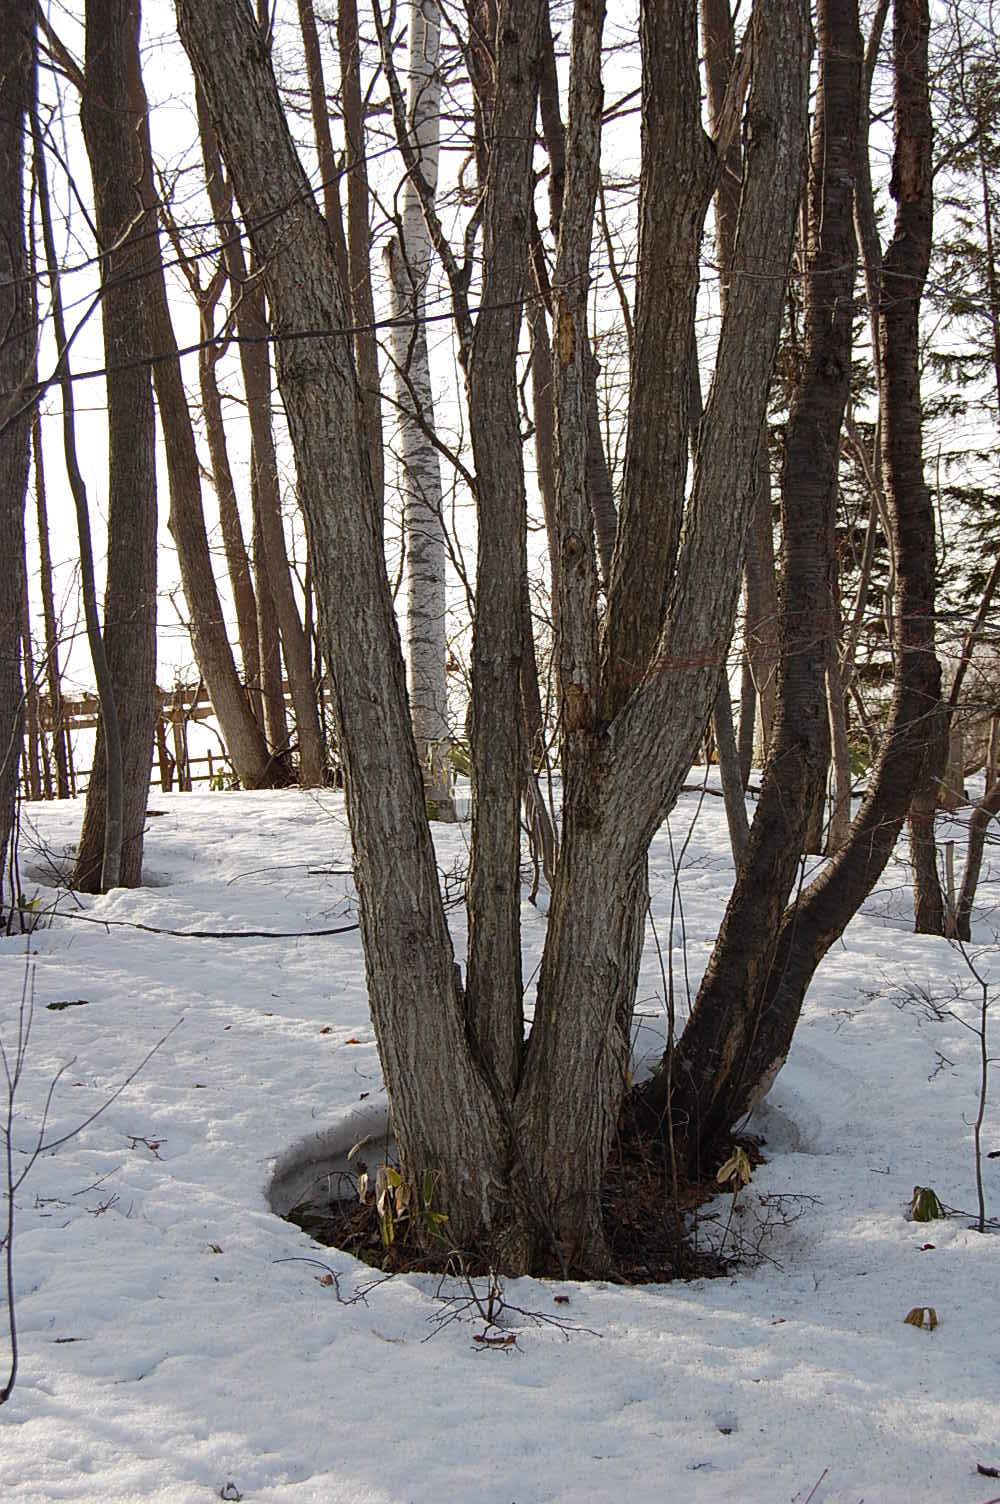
[(172, 764)]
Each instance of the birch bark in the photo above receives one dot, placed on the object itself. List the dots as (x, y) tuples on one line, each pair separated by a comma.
[(408, 261)]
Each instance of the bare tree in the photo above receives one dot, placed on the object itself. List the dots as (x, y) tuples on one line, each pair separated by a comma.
[(518, 1138), (737, 1040), (408, 262), (16, 369), (107, 875), (250, 318), (123, 226), (361, 301)]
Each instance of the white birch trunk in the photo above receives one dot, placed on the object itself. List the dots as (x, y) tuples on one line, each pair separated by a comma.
[(408, 261)]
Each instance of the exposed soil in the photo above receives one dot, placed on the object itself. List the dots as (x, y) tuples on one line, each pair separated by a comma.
[(648, 1209)]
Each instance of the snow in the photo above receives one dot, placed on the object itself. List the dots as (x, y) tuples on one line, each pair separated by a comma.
[(179, 1341)]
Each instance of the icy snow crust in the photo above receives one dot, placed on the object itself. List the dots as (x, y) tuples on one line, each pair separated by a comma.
[(176, 1342)]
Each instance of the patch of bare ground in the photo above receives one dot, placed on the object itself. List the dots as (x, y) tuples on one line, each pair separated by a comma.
[(649, 1207)]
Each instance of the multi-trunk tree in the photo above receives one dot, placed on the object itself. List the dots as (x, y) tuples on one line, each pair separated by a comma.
[(744, 1017), (518, 1135)]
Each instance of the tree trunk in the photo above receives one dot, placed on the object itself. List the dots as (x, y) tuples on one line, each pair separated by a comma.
[(32, 769), (762, 629), (408, 261), (272, 681), (757, 691), (517, 1171), (600, 496), (52, 672), (252, 327), (237, 559), (986, 810), (929, 908), (795, 773), (329, 172), (124, 226), (110, 865), (17, 346), (361, 306), (840, 813), (731, 1051)]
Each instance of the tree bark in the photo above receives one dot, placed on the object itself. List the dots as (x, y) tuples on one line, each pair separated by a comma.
[(518, 1172), (52, 672), (361, 304), (328, 170), (32, 768), (444, 1113), (408, 260), (795, 771), (110, 866), (628, 775), (759, 677), (679, 174), (252, 327), (237, 559), (600, 495), (493, 982), (17, 346), (730, 1053), (124, 226)]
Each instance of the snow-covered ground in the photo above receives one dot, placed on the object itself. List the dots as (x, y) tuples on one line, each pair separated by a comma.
[(180, 1342)]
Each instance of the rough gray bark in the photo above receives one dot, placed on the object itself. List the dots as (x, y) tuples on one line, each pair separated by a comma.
[(493, 982), (444, 1113), (237, 559), (518, 1167), (361, 304), (731, 1052), (16, 365), (252, 327), (124, 225), (679, 174), (52, 675), (598, 478), (760, 655), (328, 170), (110, 866)]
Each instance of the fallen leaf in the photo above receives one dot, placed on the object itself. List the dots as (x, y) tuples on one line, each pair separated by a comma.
[(326, 1029), (485, 1341), (917, 1316), (214, 1248), (324, 1279), (561, 1300)]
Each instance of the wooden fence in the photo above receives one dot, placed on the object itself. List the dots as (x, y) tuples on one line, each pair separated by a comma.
[(173, 765)]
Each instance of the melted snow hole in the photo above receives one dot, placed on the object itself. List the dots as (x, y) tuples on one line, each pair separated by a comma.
[(321, 1167)]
